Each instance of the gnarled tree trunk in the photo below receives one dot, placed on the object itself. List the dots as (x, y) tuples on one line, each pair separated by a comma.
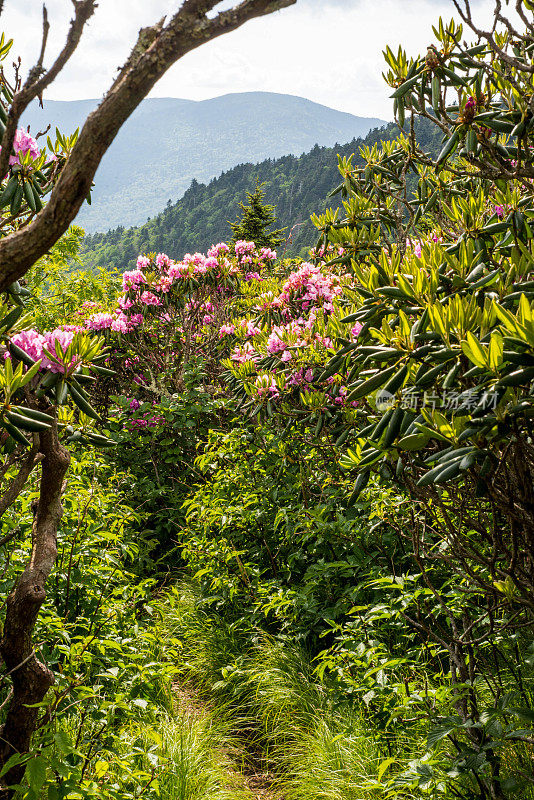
[(30, 678)]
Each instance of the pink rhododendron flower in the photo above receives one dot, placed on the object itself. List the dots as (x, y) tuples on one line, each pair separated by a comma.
[(121, 324), (150, 299), (163, 261), (340, 399), (416, 246), (133, 279), (252, 330), (244, 353), (163, 284), (266, 254), (275, 344), (124, 302), (217, 249), (242, 247), (34, 344), (23, 143), (226, 330), (31, 342), (266, 385), (309, 286), (100, 322)]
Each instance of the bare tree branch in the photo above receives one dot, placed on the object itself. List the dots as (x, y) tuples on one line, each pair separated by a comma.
[(36, 81), (467, 17), (46, 29), (157, 49)]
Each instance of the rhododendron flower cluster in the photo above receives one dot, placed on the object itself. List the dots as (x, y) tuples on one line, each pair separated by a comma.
[(145, 422), (218, 249), (309, 286), (117, 322), (415, 246), (133, 279), (266, 254), (247, 255), (23, 143), (266, 387), (244, 353), (243, 248), (149, 299), (293, 337), (226, 330), (37, 346), (100, 321)]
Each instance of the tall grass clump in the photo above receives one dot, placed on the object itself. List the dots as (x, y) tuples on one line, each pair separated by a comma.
[(196, 766)]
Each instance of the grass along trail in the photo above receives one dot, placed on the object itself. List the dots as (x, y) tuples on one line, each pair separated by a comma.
[(246, 780), (268, 728)]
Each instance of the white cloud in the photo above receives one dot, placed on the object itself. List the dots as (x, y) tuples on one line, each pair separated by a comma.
[(328, 51)]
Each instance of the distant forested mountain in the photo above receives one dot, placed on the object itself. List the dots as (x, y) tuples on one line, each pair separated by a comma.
[(296, 185), (167, 142)]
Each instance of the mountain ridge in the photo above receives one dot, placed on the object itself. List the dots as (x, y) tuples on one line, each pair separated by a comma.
[(297, 186), (168, 142)]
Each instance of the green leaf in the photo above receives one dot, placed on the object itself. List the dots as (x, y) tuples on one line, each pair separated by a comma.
[(415, 441), (372, 383), (448, 148), (474, 351), (36, 772), (405, 87), (383, 767), (82, 402), (31, 373)]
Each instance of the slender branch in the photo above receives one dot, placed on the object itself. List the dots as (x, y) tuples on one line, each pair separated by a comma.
[(19, 481), (466, 16), (37, 82), (46, 29)]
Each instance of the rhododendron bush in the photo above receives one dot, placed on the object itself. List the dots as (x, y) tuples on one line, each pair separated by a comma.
[(272, 327), (279, 355)]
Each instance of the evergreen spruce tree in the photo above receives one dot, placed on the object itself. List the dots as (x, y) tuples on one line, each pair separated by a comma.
[(257, 218)]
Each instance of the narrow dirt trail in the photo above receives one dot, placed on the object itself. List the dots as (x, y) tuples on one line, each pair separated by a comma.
[(243, 770)]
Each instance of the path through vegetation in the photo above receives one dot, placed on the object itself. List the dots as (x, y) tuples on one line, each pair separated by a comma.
[(244, 768)]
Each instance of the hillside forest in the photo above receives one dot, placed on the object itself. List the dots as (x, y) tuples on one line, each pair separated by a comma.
[(267, 516), (298, 186)]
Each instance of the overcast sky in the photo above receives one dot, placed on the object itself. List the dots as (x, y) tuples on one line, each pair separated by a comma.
[(329, 51)]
